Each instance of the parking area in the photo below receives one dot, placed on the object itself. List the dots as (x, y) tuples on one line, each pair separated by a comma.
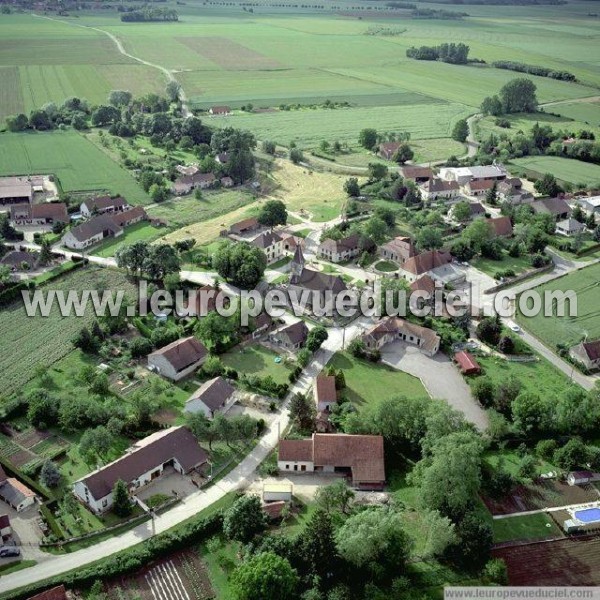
[(26, 531), (439, 376), (304, 486)]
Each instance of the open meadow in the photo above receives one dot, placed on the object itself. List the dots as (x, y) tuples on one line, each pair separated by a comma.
[(564, 169)]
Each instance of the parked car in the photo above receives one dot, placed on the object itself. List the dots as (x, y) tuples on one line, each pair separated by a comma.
[(514, 327), (7, 551)]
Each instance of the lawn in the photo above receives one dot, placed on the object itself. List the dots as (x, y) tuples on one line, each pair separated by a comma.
[(142, 231), (78, 164), (565, 169), (570, 330), (585, 112), (257, 360), (528, 527), (29, 342), (491, 267), (368, 383), (386, 266)]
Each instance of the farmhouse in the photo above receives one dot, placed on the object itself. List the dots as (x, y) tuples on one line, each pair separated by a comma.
[(15, 190), (438, 188), (399, 249), (186, 183), (466, 363), (179, 359), (582, 477), (5, 529), (211, 397), (359, 457), (142, 463), (17, 259), (245, 226), (501, 226), (131, 216), (587, 353), (14, 493), (569, 227), (556, 207), (590, 204), (291, 337), (479, 187), (219, 111), (271, 243), (48, 213), (101, 205), (91, 232), (340, 250), (426, 262), (325, 393), (388, 149), (463, 175), (393, 329), (416, 173)]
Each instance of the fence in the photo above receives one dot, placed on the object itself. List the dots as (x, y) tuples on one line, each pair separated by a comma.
[(519, 279)]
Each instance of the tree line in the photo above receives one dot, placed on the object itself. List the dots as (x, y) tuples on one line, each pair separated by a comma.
[(150, 14), (456, 54), (534, 70)]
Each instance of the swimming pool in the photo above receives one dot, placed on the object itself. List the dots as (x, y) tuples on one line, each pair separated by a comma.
[(587, 515)]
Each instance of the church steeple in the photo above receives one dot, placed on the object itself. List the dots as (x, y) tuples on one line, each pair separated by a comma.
[(297, 263)]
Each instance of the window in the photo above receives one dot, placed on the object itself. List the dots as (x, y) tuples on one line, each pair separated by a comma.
[(104, 503)]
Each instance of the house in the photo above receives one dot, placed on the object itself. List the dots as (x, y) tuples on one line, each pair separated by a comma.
[(511, 190), (340, 250), (14, 493), (277, 492), (262, 323), (290, 241), (178, 359), (590, 204), (32, 215), (219, 111), (399, 250), (393, 329), (291, 337), (501, 226), (91, 232), (227, 182), (479, 187), (102, 204), (271, 243), (569, 227), (222, 158), (213, 396), (142, 463), (467, 363), (131, 216), (425, 285), (426, 262), (439, 188), (186, 183), (477, 210), (416, 173), (556, 207), (56, 593), (387, 150), (582, 477), (325, 393), (462, 175), (359, 457), (587, 353), (244, 226), (5, 529), (15, 190), (16, 259), (187, 169)]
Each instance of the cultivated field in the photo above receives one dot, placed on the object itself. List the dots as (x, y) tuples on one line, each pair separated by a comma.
[(565, 169), (78, 164), (570, 330), (586, 112)]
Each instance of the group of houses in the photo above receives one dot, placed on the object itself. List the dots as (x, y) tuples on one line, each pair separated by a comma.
[(22, 189), (105, 217), (190, 178), (16, 494)]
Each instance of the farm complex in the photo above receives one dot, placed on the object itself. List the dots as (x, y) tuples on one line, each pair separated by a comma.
[(298, 301)]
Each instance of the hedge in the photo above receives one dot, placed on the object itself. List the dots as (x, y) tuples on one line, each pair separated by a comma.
[(49, 518)]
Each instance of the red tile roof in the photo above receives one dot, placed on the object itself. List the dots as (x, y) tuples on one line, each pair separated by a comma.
[(467, 362), (426, 261), (55, 593), (274, 509), (423, 284), (182, 353), (592, 349), (123, 218), (325, 388), (478, 185), (295, 450), (501, 226)]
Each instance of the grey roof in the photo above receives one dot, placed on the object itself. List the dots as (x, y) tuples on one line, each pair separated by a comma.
[(213, 394), (104, 202), (14, 492), (266, 239), (16, 258), (17, 190), (571, 225), (319, 282), (296, 333), (94, 226), (487, 171), (554, 206)]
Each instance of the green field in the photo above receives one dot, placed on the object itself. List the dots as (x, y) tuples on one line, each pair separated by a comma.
[(368, 383), (565, 169), (570, 330), (586, 112), (28, 342), (529, 527), (257, 360), (78, 164), (139, 232)]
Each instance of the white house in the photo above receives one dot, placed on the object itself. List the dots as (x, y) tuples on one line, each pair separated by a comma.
[(179, 359), (587, 353), (435, 189), (340, 250), (569, 227), (215, 395), (101, 205), (91, 232), (325, 393), (142, 463), (14, 493), (271, 243)]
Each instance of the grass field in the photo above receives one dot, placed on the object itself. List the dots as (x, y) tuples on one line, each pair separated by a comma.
[(565, 169), (570, 330), (257, 360), (26, 344), (529, 527), (585, 112), (139, 232), (491, 267), (77, 163), (368, 383)]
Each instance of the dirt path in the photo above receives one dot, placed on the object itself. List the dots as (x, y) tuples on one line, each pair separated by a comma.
[(571, 101), (168, 74)]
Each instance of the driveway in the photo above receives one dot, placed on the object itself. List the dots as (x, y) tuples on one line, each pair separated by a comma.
[(439, 376), (170, 483), (26, 532)]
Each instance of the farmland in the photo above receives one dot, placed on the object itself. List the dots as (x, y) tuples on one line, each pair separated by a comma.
[(25, 347), (570, 330), (586, 112), (564, 169), (78, 164)]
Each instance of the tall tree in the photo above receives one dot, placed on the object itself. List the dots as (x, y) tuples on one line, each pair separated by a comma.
[(244, 519), (122, 506), (265, 576)]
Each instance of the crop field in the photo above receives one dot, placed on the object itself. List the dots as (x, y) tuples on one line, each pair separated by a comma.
[(78, 164), (586, 112), (572, 562), (565, 169), (570, 330), (23, 346)]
